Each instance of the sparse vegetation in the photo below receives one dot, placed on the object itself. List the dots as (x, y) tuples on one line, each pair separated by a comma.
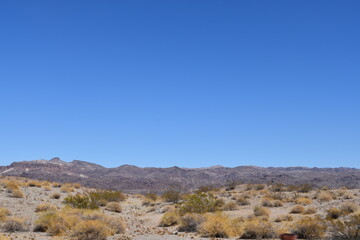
[(85, 214)]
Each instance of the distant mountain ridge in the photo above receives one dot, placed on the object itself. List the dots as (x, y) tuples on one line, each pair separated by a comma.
[(130, 178)]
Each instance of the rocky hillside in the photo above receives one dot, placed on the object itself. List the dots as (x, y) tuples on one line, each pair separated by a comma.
[(136, 179)]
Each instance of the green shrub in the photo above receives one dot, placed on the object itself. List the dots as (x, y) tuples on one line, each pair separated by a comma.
[(106, 196), (199, 203), (80, 201)]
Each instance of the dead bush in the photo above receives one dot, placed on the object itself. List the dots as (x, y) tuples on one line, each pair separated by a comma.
[(14, 225), (190, 222)]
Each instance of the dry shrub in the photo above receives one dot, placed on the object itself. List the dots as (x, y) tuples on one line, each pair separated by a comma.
[(45, 207), (34, 184), (220, 226), (309, 210), (151, 196), (348, 195), (17, 193), (11, 185), (113, 207), (230, 206), (284, 218), (67, 188), (303, 201), (190, 222), (3, 237), (333, 213), (278, 187), (4, 213), (169, 219), (346, 229), (173, 196), (56, 185), (59, 223), (261, 211), (47, 188), (348, 207), (324, 196), (271, 203), (258, 229), (55, 196), (297, 209), (310, 228), (14, 225), (242, 201), (91, 230), (259, 186), (76, 185)]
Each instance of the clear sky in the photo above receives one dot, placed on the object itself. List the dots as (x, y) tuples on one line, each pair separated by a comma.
[(186, 83)]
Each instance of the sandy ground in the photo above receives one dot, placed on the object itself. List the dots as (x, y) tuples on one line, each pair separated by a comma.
[(142, 221)]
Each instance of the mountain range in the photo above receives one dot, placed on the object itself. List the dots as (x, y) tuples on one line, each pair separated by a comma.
[(130, 178)]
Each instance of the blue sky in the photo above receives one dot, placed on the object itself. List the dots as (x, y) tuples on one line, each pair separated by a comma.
[(185, 83)]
